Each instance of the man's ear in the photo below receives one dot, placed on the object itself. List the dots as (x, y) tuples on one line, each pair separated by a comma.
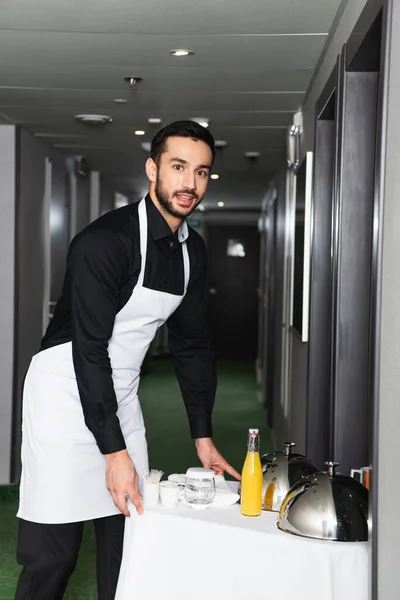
[(151, 170)]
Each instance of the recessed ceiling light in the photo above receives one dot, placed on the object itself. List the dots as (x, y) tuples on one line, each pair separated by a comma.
[(154, 121), (252, 154), (181, 52), (221, 204), (203, 121), (214, 176), (139, 132), (120, 100), (94, 119), (146, 146)]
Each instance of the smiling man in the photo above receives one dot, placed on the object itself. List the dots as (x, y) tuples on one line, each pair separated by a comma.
[(84, 446)]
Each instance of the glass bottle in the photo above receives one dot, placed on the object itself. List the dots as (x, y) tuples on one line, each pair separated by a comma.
[(252, 477)]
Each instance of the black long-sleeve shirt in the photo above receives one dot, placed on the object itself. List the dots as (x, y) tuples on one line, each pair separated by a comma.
[(103, 266)]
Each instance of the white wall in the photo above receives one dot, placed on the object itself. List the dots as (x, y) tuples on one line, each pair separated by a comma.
[(7, 292), (388, 484)]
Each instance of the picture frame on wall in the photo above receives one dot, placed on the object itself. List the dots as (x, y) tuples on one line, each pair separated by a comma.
[(302, 247)]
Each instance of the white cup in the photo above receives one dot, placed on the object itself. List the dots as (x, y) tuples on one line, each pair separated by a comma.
[(151, 494), (170, 493)]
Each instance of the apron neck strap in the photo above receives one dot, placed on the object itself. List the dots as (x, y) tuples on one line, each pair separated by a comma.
[(143, 238)]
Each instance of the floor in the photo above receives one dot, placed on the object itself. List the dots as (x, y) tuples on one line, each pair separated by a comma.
[(170, 449)]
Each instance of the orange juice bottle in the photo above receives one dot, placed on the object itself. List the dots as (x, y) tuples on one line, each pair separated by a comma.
[(252, 477)]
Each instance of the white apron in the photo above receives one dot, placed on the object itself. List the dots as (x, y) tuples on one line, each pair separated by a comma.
[(63, 471)]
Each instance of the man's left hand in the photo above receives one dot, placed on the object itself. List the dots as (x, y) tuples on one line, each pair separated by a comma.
[(212, 459)]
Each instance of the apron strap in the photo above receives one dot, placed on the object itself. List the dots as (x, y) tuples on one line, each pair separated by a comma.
[(143, 239), (186, 265)]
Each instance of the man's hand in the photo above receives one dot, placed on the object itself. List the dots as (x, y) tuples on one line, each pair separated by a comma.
[(212, 459), (122, 480)]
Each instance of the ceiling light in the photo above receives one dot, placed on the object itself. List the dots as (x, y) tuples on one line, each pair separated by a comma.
[(120, 101), (181, 52), (221, 204), (154, 121), (252, 154), (214, 176), (140, 132), (220, 143), (146, 146), (203, 121)]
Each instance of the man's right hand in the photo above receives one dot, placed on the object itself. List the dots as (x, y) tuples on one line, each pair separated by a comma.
[(122, 480)]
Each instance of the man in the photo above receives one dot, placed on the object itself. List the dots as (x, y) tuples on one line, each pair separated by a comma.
[(84, 446)]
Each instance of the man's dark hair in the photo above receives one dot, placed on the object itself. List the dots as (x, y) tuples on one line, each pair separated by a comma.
[(188, 129)]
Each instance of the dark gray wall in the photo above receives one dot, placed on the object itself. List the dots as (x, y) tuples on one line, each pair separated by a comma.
[(280, 423), (30, 260), (82, 203), (7, 292), (107, 197), (299, 350)]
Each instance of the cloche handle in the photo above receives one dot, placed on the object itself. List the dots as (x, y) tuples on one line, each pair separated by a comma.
[(332, 466), (288, 447)]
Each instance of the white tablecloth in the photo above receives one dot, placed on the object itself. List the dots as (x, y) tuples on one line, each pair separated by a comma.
[(217, 554)]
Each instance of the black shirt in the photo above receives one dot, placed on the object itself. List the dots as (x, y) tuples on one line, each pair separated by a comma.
[(103, 266)]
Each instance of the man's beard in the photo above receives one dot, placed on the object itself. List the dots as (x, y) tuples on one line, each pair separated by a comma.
[(165, 201)]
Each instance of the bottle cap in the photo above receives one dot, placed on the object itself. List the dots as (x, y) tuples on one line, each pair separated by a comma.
[(253, 431)]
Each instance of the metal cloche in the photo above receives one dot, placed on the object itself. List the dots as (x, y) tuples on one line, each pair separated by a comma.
[(281, 470), (326, 506)]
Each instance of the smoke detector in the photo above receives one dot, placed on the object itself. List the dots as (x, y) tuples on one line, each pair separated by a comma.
[(94, 119), (252, 155), (219, 144), (146, 146)]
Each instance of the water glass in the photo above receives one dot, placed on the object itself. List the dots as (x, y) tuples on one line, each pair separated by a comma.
[(199, 488), (169, 494)]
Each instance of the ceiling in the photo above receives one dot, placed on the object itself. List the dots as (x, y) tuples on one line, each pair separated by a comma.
[(252, 65)]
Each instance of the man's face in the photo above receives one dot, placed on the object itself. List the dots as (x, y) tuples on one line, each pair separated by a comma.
[(182, 175)]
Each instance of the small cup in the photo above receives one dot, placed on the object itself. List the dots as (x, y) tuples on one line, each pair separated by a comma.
[(151, 494), (169, 493)]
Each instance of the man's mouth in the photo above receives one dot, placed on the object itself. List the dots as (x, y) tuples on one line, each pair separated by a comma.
[(185, 199)]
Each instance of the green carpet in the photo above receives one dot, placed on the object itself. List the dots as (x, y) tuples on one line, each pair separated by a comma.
[(170, 449)]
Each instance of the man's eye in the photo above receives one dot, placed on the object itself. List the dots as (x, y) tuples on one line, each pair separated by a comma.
[(203, 173), (178, 167)]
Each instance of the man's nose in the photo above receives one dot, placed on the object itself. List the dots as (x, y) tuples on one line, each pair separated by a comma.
[(189, 180)]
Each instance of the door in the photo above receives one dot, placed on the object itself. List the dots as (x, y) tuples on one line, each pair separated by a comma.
[(270, 304), (233, 273)]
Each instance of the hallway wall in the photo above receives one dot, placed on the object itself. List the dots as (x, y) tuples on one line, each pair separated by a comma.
[(295, 424), (30, 272), (23, 243)]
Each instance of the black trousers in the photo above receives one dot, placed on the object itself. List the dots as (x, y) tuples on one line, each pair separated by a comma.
[(48, 554)]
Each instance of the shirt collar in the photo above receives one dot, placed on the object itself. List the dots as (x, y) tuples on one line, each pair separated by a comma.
[(159, 227)]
